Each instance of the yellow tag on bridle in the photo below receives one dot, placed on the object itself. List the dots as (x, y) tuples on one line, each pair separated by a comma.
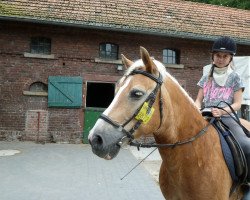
[(143, 115)]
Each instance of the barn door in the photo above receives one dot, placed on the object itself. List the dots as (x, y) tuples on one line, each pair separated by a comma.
[(91, 115), (65, 92)]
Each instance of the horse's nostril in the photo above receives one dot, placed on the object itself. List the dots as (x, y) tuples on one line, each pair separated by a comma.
[(97, 140)]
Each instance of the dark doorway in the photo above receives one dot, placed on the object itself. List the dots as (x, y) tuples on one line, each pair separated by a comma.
[(99, 95)]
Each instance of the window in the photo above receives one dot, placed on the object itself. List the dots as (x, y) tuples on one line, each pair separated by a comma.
[(108, 51), (40, 45), (38, 87), (171, 56)]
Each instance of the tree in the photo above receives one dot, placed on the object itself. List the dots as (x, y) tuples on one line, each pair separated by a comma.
[(241, 4)]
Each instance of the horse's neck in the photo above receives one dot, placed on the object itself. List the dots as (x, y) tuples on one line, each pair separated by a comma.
[(181, 120)]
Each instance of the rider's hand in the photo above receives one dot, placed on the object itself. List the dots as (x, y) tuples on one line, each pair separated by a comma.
[(217, 112)]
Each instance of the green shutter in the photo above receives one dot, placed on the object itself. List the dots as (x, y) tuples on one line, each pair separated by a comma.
[(65, 92)]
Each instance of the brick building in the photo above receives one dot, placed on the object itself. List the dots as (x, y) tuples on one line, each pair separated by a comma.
[(59, 60)]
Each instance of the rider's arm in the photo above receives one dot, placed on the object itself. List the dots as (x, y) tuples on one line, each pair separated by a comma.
[(199, 98), (236, 105), (236, 102)]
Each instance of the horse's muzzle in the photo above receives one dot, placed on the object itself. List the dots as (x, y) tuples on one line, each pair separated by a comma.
[(104, 145)]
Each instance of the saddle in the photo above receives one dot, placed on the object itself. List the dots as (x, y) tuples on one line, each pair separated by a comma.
[(232, 151)]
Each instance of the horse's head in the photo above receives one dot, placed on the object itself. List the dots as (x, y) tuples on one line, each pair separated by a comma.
[(132, 111)]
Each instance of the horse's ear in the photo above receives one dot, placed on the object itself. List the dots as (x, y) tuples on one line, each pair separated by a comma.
[(126, 62), (147, 60)]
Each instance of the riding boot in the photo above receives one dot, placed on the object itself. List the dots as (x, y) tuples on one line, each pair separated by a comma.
[(246, 191)]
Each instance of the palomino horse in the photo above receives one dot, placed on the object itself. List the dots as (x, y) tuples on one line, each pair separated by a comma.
[(195, 170)]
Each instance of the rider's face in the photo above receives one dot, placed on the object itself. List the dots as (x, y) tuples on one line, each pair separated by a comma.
[(222, 59)]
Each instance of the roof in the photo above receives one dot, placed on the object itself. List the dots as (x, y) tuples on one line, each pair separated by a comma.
[(174, 18)]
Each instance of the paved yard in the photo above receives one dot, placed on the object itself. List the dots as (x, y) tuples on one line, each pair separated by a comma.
[(71, 172)]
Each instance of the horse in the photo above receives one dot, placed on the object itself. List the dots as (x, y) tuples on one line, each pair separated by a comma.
[(150, 102)]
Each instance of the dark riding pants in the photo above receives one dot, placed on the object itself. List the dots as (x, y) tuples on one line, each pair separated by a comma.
[(243, 140)]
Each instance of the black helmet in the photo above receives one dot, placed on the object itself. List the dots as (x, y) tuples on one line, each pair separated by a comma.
[(224, 44)]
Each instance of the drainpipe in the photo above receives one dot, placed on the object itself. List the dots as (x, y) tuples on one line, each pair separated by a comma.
[(38, 126)]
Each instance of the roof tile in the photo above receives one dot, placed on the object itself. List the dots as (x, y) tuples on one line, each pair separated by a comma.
[(164, 17)]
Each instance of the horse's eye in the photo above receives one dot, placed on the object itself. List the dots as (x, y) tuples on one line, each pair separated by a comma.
[(136, 94)]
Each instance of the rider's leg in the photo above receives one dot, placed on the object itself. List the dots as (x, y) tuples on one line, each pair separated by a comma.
[(241, 137), (244, 142)]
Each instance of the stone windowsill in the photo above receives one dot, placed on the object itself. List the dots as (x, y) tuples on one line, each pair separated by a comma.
[(30, 93), (34, 55), (177, 66), (99, 60), (119, 62)]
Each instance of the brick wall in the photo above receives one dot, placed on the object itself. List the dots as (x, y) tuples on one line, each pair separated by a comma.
[(75, 51)]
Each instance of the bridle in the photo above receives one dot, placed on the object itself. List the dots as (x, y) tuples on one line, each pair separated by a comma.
[(149, 100)]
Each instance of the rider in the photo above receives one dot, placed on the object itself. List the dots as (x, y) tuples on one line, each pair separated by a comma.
[(222, 83)]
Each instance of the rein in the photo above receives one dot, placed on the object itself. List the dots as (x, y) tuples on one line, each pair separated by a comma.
[(172, 145)]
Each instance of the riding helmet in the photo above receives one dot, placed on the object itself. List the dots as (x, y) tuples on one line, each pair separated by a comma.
[(224, 44)]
